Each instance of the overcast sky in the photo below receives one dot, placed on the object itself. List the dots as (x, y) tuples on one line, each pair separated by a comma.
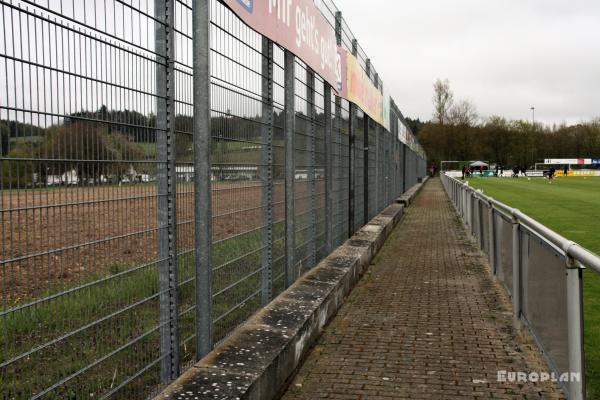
[(504, 55)]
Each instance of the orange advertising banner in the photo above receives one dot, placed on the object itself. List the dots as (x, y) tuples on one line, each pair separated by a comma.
[(361, 91), (300, 27)]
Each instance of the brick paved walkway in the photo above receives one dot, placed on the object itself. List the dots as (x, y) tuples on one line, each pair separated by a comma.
[(425, 322)]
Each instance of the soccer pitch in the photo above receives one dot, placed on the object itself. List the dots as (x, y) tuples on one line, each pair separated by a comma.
[(571, 207)]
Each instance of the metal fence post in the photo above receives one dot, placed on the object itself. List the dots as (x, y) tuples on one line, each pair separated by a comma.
[(365, 150), (516, 265), (167, 191), (202, 177), (266, 169), (290, 123), (351, 171), (366, 169), (575, 328), (328, 171), (312, 204)]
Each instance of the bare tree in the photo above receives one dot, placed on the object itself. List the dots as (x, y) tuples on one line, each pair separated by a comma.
[(463, 113), (443, 99)]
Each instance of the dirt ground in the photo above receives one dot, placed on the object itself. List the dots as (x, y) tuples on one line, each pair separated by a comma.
[(67, 235)]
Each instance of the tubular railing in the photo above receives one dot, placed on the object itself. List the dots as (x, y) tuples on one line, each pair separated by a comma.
[(542, 273)]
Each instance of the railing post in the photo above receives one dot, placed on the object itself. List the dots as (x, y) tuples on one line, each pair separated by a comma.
[(328, 171), (516, 265), (290, 122), (266, 169), (575, 328), (167, 190), (202, 177)]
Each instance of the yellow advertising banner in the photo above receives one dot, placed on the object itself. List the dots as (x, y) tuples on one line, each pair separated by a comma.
[(586, 173), (361, 91)]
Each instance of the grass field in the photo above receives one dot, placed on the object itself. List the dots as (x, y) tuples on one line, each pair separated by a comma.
[(79, 284), (571, 207)]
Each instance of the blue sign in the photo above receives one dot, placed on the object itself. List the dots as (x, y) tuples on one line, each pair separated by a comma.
[(248, 5), (595, 160)]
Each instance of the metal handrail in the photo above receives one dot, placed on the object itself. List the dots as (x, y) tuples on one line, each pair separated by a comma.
[(569, 247), (576, 257)]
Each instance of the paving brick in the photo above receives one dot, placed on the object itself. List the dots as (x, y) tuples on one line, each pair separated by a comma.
[(425, 322)]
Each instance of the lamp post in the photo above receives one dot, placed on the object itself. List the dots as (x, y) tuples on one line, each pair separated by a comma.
[(533, 115)]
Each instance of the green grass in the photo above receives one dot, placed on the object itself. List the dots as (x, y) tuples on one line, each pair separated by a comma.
[(571, 207), (233, 260)]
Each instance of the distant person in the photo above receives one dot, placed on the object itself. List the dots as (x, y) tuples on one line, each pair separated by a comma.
[(464, 171), (524, 171), (551, 174), (566, 170), (502, 170), (515, 172), (496, 169)]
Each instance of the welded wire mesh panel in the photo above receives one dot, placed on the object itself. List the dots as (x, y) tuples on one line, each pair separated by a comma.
[(387, 168), (341, 175), (485, 227), (278, 274), (319, 169), (184, 157), (545, 298), (504, 250), (97, 212), (359, 171), (305, 172), (381, 171), (79, 194), (373, 145), (240, 123)]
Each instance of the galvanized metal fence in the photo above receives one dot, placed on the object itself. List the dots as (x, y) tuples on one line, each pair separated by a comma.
[(541, 272), (165, 172)]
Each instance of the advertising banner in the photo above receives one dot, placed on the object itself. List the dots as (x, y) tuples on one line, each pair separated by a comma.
[(402, 132), (569, 161), (386, 110), (362, 92), (300, 27)]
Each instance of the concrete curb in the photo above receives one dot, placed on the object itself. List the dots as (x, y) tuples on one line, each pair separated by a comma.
[(408, 196), (260, 357)]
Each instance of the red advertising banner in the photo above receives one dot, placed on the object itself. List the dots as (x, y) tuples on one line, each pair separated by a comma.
[(299, 26)]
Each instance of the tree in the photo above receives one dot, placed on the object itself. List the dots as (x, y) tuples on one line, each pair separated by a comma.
[(415, 125), (90, 150), (443, 99), (4, 139), (463, 113)]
